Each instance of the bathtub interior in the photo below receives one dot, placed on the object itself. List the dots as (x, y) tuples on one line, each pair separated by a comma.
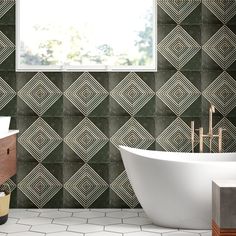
[(180, 156)]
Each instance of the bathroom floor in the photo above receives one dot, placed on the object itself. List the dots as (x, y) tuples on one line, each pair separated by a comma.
[(83, 222)]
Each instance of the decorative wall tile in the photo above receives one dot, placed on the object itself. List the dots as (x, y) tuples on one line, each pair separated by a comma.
[(178, 47), (40, 93), (132, 134), (229, 136), (40, 139), (7, 47), (176, 137), (86, 139), (86, 93), (222, 93), (40, 185), (223, 10), (5, 6), (86, 185), (132, 93), (122, 187), (221, 47), (6, 93), (178, 10), (86, 109), (178, 93)]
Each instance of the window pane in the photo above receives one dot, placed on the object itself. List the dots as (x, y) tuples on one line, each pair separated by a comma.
[(87, 33)]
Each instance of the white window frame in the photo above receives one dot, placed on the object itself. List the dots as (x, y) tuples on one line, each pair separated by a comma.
[(92, 68)]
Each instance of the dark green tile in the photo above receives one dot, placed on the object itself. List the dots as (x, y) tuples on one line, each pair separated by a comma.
[(56, 109), (9, 17), (102, 156), (100, 110), (115, 169), (207, 78), (208, 17), (9, 109), (70, 169), (56, 155), (147, 109)]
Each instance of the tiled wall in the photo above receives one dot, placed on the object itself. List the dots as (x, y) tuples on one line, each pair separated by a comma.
[(71, 123)]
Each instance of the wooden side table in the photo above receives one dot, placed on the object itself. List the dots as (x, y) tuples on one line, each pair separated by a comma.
[(224, 208)]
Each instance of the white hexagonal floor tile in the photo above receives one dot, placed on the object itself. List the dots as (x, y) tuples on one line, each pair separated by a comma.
[(180, 233), (42, 210), (85, 228), (157, 229), (103, 234), (195, 231), (55, 214), (65, 233), (48, 228), (72, 210), (12, 220), (122, 228), (104, 221), (34, 221), (133, 210), (20, 214), (27, 234), (2, 234), (106, 210), (142, 214), (89, 214), (122, 214), (142, 233), (13, 228), (70, 221), (138, 221)]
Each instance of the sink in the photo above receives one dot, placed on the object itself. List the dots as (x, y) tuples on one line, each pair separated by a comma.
[(4, 124)]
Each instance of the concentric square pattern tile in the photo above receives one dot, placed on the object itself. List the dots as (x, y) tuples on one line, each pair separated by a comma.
[(72, 123)]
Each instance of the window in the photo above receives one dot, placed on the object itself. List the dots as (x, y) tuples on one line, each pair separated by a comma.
[(86, 35)]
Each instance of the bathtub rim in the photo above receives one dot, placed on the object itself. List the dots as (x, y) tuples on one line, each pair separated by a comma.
[(180, 156)]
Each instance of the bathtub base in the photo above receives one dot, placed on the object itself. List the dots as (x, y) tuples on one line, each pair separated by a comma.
[(217, 231)]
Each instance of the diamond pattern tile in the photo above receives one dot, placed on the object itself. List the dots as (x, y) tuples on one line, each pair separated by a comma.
[(40, 186), (5, 6), (11, 184), (176, 137), (40, 93), (122, 187), (6, 93), (132, 134), (178, 47), (221, 47), (229, 136), (86, 139), (222, 93), (223, 10), (86, 93), (86, 186), (40, 139), (132, 93), (178, 10), (178, 93), (6, 47)]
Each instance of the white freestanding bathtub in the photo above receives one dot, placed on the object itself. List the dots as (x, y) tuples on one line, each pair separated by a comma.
[(174, 189)]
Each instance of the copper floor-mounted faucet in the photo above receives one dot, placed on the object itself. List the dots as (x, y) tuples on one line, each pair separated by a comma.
[(210, 134)]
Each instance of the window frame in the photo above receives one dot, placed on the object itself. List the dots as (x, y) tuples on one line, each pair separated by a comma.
[(92, 68)]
